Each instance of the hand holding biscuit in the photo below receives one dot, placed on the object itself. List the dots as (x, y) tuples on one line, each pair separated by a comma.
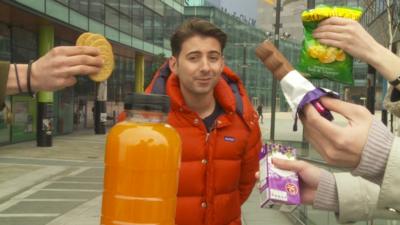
[(58, 68), (100, 42)]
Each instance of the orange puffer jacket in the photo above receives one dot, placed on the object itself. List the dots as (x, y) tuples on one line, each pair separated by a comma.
[(217, 168)]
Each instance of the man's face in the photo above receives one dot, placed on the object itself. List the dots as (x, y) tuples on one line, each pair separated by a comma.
[(198, 66)]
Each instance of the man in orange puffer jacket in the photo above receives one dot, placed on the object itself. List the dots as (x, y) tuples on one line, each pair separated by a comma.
[(218, 126)]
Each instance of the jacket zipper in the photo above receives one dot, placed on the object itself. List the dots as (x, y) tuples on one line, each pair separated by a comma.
[(207, 136), (213, 129)]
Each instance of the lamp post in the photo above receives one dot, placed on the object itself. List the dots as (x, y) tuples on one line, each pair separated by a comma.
[(310, 4), (274, 81), (244, 65), (278, 25), (371, 78)]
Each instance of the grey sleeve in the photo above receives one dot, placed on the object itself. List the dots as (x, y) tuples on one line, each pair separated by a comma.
[(375, 153)]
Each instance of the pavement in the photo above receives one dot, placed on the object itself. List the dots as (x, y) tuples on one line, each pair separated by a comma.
[(57, 185), (62, 184)]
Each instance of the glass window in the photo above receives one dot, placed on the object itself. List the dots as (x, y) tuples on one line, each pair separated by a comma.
[(112, 17), (4, 42), (172, 19), (125, 24), (158, 31), (115, 82), (80, 6), (24, 45), (96, 10), (113, 3), (118, 81), (129, 77), (149, 3), (85, 87), (148, 71), (112, 80), (159, 7), (137, 19), (148, 25), (125, 6), (64, 2)]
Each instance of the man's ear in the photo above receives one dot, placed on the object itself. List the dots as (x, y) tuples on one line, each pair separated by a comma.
[(173, 63)]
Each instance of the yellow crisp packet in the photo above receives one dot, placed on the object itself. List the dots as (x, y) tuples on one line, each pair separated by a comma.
[(100, 42), (325, 12), (319, 61)]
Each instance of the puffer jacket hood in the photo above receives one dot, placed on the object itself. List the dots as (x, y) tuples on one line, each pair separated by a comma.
[(234, 101)]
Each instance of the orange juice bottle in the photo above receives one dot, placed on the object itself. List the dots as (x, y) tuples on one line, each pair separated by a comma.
[(141, 165)]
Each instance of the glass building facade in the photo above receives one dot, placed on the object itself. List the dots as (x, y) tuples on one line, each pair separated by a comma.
[(216, 3), (134, 28), (351, 3)]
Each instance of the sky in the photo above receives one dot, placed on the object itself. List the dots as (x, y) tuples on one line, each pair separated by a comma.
[(245, 7)]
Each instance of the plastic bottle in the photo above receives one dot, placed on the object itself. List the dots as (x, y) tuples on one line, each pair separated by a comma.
[(141, 165)]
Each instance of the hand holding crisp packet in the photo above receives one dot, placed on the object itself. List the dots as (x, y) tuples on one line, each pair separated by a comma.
[(319, 61)]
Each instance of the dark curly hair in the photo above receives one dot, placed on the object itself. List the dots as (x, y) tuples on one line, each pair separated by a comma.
[(193, 27)]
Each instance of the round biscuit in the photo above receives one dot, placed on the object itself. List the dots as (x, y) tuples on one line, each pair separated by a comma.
[(108, 57), (92, 38), (82, 38)]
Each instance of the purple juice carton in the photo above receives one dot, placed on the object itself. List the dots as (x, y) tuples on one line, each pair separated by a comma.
[(277, 187)]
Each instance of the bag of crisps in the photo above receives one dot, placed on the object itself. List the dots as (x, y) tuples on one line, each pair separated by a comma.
[(319, 61)]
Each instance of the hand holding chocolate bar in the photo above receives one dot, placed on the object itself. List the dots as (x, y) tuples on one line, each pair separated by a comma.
[(297, 90), (340, 146)]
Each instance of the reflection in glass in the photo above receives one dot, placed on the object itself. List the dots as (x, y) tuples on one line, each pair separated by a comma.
[(125, 25), (96, 10), (112, 17), (148, 25), (79, 6), (137, 20)]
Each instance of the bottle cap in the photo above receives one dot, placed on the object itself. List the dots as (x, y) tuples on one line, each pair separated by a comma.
[(148, 102)]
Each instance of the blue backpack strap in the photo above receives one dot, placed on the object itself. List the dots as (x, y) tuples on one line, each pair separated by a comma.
[(161, 80), (235, 89)]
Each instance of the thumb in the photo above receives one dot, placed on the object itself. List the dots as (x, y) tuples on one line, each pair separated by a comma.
[(292, 165)]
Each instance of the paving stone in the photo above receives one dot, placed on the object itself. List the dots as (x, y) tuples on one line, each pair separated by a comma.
[(44, 194), (94, 172), (42, 207), (83, 186), (81, 179), (11, 171), (25, 220)]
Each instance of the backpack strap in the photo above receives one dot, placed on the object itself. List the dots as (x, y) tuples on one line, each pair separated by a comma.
[(235, 89), (161, 80)]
